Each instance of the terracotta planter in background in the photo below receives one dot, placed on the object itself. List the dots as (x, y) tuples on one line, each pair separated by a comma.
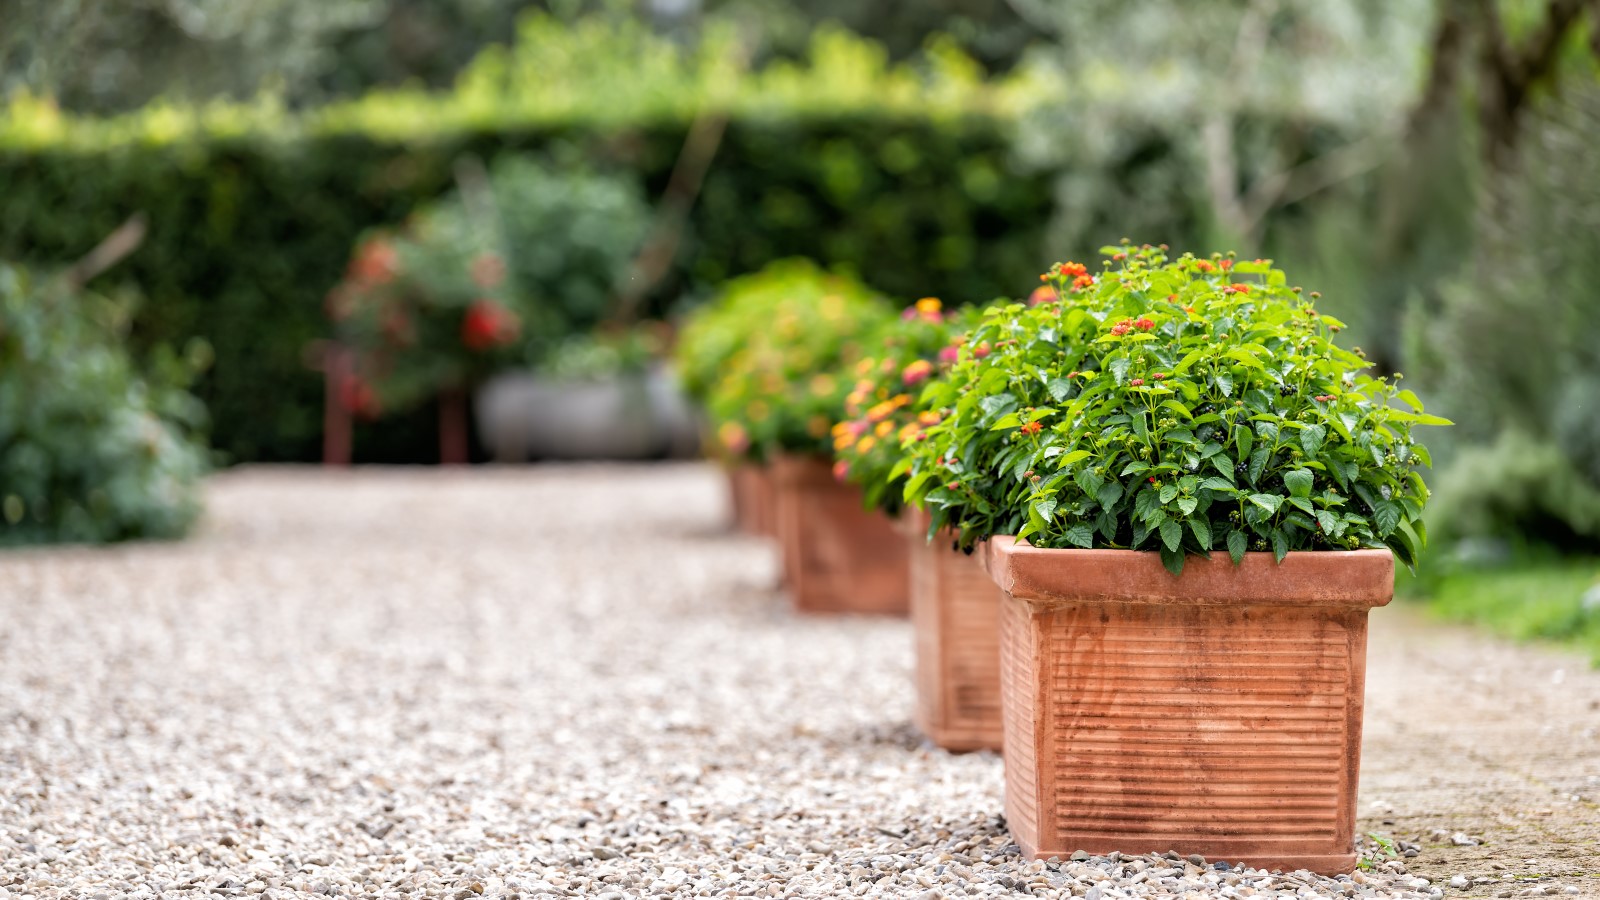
[(837, 556), (955, 614), (1216, 713), (738, 481), (750, 496), (763, 501)]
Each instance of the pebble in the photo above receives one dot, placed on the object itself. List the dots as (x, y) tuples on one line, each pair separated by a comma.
[(562, 681)]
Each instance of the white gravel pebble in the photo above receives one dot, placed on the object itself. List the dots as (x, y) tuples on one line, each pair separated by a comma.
[(558, 681)]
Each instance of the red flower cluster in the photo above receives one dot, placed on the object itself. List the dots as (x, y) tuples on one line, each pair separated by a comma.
[(375, 262), (487, 324), (1137, 382), (1082, 281), (359, 398), (488, 270), (1033, 428), (1325, 398), (1074, 269), (1237, 289), (1041, 295), (1159, 375), (1127, 325)]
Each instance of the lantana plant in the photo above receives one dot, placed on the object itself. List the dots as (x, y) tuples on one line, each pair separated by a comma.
[(425, 311), (781, 389), (882, 409), (1182, 405)]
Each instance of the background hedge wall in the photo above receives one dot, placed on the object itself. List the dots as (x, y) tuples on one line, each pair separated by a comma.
[(247, 233)]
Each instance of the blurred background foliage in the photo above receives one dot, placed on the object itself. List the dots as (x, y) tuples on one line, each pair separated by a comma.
[(1426, 164), (94, 446)]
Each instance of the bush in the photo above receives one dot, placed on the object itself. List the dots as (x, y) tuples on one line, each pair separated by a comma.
[(91, 448), (1509, 350), (784, 387), (483, 280), (881, 411), (253, 212), (1182, 405)]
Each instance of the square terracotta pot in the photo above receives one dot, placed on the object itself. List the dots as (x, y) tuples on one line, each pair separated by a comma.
[(738, 482), (750, 494), (955, 615), (1216, 713), (763, 500), (838, 557)]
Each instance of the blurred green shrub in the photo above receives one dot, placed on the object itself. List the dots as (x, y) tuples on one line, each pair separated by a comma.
[(1510, 351), (904, 174), (92, 449), (801, 332), (496, 274)]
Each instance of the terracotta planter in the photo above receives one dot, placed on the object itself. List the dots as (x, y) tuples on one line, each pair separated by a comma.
[(738, 494), (955, 614), (1217, 713), (837, 556), (763, 500), (750, 494)]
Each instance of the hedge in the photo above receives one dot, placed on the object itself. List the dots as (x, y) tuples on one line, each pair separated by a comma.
[(252, 212)]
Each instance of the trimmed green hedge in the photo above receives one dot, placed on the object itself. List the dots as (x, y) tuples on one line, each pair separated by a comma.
[(252, 214)]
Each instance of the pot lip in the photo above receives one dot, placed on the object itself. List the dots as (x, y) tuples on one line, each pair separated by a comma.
[(1357, 579)]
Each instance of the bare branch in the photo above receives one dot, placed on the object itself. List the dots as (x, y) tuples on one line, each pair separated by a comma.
[(124, 240), (1315, 175)]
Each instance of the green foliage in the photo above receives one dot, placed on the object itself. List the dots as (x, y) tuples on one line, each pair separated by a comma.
[(881, 412), (1510, 350), (784, 386), (1181, 405), (253, 210), (1530, 597), (91, 448), (1517, 488), (599, 355), (484, 279)]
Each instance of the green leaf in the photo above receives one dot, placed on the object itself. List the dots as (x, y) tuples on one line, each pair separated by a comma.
[(1302, 503), (1173, 560), (1119, 369), (1422, 455), (1299, 482), (1217, 484), (1009, 420), (1237, 544), (1059, 388), (1171, 534), (1268, 502), (1044, 509), (1109, 494), (1089, 480), (1386, 515), (1186, 505), (1224, 383), (1073, 457), (1175, 406), (1311, 438), (1140, 428), (1146, 503), (1258, 463), (1079, 536), (1202, 531), (1332, 525), (1168, 491), (1280, 545)]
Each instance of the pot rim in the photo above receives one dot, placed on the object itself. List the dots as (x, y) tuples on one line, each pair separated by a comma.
[(1357, 579)]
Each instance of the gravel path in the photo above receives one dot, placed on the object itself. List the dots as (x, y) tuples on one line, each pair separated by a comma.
[(572, 681)]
